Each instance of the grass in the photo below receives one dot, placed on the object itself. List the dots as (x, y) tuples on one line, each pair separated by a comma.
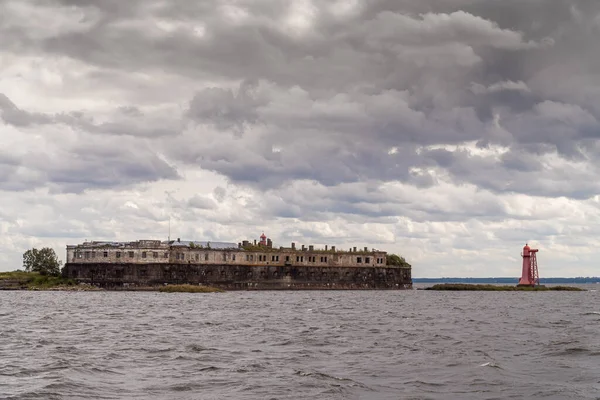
[(501, 288), (16, 275), (188, 289), (32, 280)]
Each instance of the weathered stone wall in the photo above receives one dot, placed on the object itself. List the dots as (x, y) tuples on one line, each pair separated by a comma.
[(244, 277), (164, 254), (113, 254)]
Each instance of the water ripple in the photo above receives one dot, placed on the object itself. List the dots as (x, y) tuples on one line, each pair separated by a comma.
[(299, 345)]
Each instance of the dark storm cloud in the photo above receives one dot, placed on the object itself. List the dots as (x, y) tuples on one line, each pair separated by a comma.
[(382, 93), (88, 165), (226, 109), (100, 164)]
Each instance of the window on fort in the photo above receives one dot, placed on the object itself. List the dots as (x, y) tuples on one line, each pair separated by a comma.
[(155, 254), (287, 258), (297, 258), (302, 258), (118, 254), (166, 255), (197, 257), (359, 260), (143, 254), (93, 254), (233, 257), (247, 257), (79, 255), (277, 258), (105, 254), (131, 254), (272, 258), (367, 260), (224, 257), (87, 254), (205, 256)]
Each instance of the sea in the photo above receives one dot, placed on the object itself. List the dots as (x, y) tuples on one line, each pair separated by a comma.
[(411, 344)]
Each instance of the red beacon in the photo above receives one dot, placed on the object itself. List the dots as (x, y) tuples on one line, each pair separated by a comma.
[(529, 275), (263, 239)]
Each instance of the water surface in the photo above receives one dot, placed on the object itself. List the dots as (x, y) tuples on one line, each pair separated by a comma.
[(300, 345)]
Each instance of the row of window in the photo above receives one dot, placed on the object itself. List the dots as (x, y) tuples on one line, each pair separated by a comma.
[(249, 257), (118, 254), (262, 257)]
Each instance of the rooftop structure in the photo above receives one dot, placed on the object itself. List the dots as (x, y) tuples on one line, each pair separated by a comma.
[(209, 252)]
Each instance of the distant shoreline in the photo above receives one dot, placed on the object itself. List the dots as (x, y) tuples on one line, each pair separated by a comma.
[(501, 288), (510, 281)]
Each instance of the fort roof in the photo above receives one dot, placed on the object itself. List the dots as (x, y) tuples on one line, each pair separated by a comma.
[(216, 245), (205, 244)]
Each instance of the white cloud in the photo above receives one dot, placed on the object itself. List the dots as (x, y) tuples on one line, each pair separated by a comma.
[(445, 133)]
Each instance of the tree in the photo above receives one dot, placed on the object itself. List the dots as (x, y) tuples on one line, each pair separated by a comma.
[(399, 261), (43, 261)]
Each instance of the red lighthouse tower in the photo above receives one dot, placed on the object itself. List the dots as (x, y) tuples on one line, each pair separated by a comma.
[(529, 275), (263, 239)]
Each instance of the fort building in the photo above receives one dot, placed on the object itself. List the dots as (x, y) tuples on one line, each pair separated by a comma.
[(256, 264)]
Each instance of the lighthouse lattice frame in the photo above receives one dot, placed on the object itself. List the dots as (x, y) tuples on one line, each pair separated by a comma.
[(529, 275), (535, 277)]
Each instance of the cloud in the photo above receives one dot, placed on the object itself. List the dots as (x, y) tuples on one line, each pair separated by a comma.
[(439, 130), (13, 115)]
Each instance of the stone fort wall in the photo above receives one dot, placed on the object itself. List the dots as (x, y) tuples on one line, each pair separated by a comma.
[(242, 277)]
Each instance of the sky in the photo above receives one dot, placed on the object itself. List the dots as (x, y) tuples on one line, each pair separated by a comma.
[(451, 132)]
